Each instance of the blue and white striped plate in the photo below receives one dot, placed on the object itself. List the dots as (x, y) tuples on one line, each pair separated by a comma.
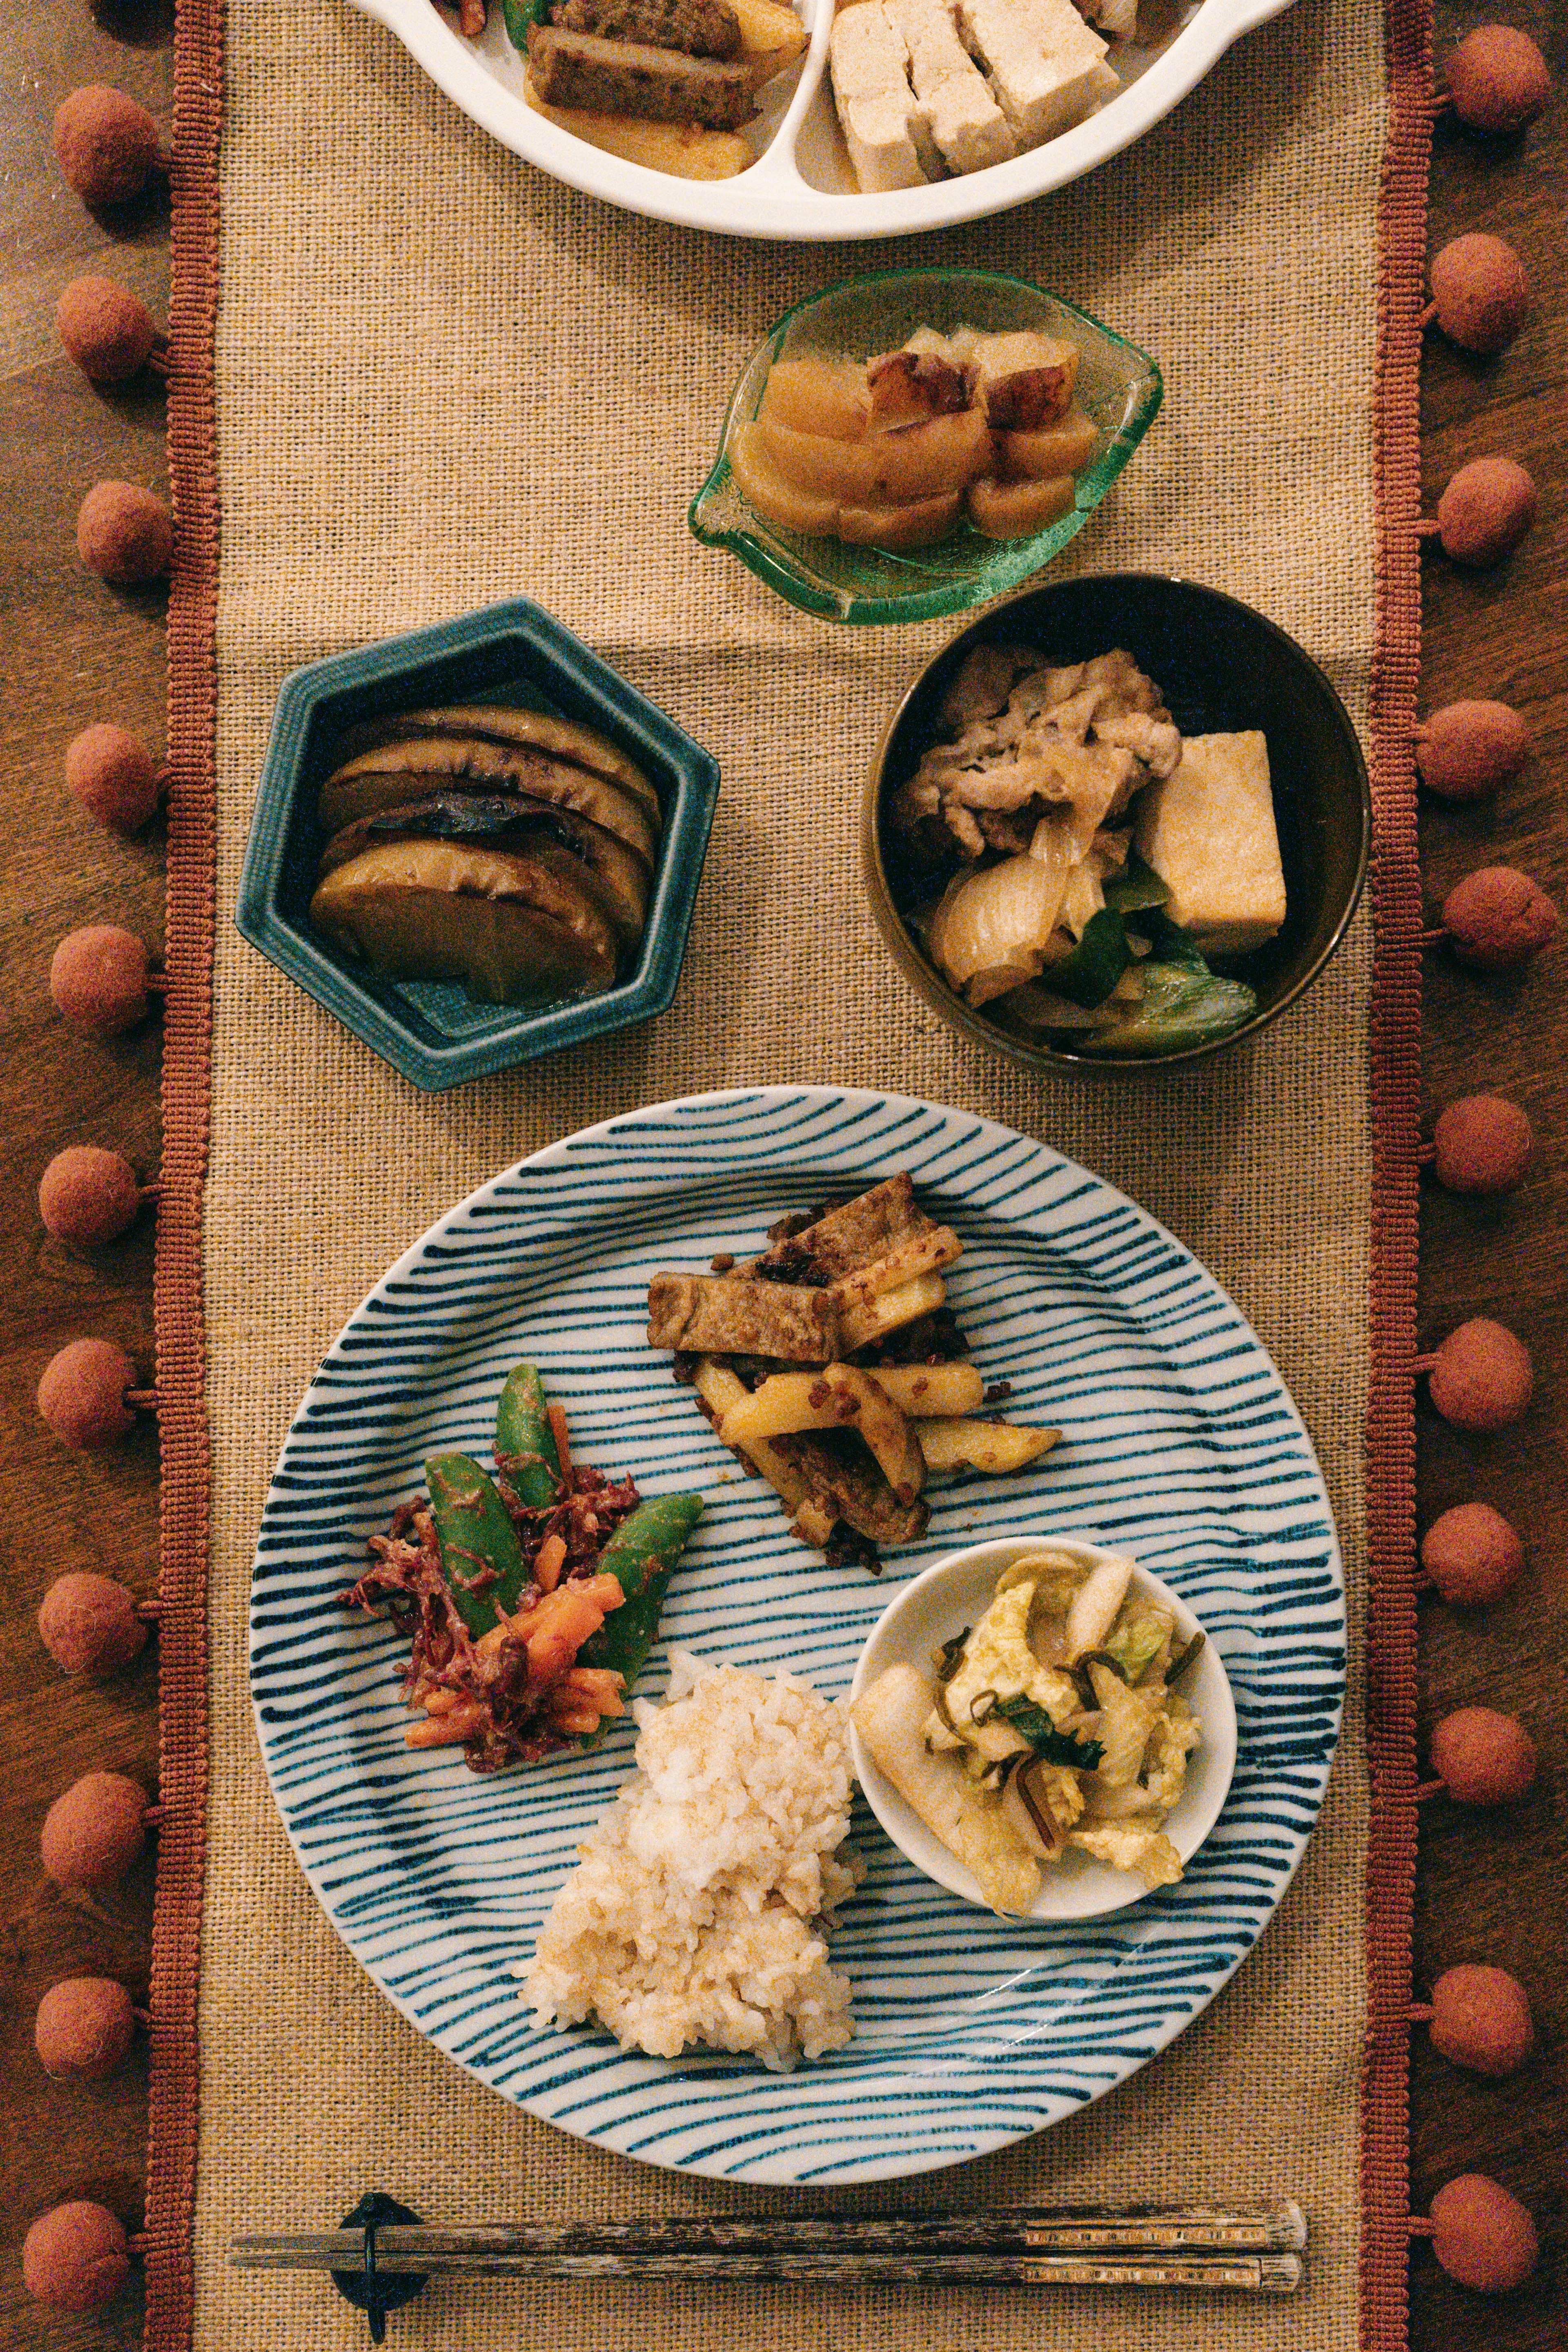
[(1181, 1446)]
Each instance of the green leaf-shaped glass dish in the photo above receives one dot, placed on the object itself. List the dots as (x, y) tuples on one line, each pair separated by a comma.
[(1118, 385)]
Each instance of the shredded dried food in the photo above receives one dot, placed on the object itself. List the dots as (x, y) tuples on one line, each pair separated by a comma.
[(530, 1599), (485, 1690)]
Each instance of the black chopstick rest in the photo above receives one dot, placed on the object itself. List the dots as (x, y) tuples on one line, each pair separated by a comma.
[(369, 2290)]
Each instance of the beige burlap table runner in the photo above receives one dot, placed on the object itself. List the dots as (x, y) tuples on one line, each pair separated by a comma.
[(440, 379)]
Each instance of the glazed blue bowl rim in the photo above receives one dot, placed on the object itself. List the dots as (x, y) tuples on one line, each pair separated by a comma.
[(303, 957)]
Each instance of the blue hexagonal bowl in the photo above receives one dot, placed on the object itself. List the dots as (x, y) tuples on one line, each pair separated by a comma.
[(511, 653)]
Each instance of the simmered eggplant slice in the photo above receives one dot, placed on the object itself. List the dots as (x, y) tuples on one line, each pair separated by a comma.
[(558, 739), (510, 929), (615, 877), (401, 772)]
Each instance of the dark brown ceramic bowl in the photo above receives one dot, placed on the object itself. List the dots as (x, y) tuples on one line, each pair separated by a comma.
[(1221, 668)]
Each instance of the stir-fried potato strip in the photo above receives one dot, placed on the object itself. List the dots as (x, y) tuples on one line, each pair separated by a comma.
[(995, 1447), (921, 1254), (864, 1322)]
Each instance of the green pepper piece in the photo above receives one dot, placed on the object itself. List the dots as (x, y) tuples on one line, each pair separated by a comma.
[(1088, 974), (642, 1555), (1182, 1005), (475, 1532), (525, 1442), (1137, 887)]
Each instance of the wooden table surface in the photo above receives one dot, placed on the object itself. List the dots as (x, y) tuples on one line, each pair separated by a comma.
[(1489, 1887)]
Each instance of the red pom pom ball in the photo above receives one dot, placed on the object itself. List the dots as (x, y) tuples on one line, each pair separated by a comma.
[(1482, 1143), (1481, 1377), (99, 978), (1480, 2019), (82, 1394), (1481, 292), (1484, 2237), (94, 1833), (1497, 79), (103, 327), (76, 2257), (1497, 918), (89, 1623), (106, 144), (88, 1196), (1471, 1554), (1469, 748), (85, 2027), (1486, 1758), (113, 777), (126, 534), (1486, 510)]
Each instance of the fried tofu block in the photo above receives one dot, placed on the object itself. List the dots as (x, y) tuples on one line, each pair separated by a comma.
[(885, 127), (1208, 832), (967, 125), (712, 1315), (1046, 66)]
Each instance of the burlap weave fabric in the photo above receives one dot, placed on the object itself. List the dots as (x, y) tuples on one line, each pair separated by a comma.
[(442, 380)]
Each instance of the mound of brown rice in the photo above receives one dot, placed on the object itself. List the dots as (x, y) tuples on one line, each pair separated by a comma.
[(700, 1908)]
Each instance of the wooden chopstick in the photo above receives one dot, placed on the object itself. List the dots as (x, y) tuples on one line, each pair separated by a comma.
[(1254, 2250)]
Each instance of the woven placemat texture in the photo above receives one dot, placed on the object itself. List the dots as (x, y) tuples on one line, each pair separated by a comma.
[(442, 380)]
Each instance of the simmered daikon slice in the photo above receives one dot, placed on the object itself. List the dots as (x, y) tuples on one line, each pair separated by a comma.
[(1013, 509), (1054, 450), (886, 469), (825, 397), (775, 498), (916, 525)]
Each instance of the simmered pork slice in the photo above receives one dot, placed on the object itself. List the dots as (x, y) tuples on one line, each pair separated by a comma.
[(1045, 65), (886, 129), (968, 126), (713, 1315), (852, 1238)]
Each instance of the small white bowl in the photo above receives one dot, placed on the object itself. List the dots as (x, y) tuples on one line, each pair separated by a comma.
[(956, 1592)]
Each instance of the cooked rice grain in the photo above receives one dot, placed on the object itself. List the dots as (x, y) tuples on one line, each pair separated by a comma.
[(700, 1908)]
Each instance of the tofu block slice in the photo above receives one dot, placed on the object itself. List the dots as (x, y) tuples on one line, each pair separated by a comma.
[(967, 125), (884, 125), (1045, 65), (1208, 832)]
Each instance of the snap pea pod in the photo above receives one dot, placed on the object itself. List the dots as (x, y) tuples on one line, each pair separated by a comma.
[(642, 1556), (475, 1532), (525, 1442), (517, 16)]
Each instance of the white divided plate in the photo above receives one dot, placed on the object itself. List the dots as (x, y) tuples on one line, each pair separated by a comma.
[(1181, 1447), (801, 186)]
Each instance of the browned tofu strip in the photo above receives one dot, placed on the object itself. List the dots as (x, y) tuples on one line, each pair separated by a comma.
[(854, 1489), (852, 1238), (713, 1315)]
